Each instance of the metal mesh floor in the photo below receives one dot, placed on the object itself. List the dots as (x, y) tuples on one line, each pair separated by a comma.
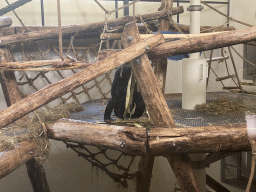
[(94, 111)]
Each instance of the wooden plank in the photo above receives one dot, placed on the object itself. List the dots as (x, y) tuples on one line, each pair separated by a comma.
[(53, 91), (117, 36), (153, 98)]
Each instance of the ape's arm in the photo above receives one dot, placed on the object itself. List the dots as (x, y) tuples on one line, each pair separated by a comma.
[(109, 109)]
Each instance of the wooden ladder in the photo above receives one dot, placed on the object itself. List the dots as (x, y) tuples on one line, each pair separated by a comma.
[(238, 87)]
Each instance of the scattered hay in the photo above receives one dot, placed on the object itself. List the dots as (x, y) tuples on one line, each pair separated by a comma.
[(222, 106), (36, 130), (140, 122)]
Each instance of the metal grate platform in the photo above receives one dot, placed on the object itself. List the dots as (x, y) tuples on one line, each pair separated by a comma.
[(94, 111)]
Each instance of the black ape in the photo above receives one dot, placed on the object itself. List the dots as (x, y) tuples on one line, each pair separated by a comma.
[(118, 93)]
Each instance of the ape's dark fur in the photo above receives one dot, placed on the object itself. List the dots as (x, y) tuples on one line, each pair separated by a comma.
[(118, 93)]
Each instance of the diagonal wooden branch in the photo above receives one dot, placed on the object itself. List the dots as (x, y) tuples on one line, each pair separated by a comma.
[(76, 29), (55, 90), (12, 159), (204, 43)]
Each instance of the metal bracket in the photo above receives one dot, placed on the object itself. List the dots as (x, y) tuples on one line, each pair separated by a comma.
[(195, 8)]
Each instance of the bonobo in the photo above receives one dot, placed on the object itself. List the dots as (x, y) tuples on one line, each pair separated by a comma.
[(118, 93)]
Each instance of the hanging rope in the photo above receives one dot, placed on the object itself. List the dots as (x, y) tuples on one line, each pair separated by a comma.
[(60, 32)]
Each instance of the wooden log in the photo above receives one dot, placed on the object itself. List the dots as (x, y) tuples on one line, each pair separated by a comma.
[(184, 174), (5, 22), (203, 29), (12, 159), (152, 96), (122, 138), (201, 139), (161, 141), (77, 29), (12, 95), (53, 91), (37, 176), (8, 81), (204, 43), (37, 65), (148, 85), (117, 36), (216, 186), (211, 158)]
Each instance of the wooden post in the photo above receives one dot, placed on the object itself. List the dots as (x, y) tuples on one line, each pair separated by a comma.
[(12, 95), (155, 103), (161, 63), (37, 176), (8, 81)]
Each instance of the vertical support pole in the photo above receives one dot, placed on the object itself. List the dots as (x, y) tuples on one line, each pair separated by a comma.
[(126, 9), (12, 95), (158, 111), (194, 69), (161, 64), (194, 83)]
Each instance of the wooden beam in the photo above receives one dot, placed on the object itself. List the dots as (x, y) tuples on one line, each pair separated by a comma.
[(117, 36), (161, 63), (5, 22), (8, 80), (122, 138), (201, 139), (12, 95), (37, 65), (37, 176), (12, 159), (78, 29), (203, 29), (198, 44), (53, 91), (153, 98), (161, 141), (184, 173), (216, 186)]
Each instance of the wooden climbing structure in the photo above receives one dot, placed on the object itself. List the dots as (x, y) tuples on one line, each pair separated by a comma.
[(164, 140)]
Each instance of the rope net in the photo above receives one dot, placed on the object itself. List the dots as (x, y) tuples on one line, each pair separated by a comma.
[(99, 88)]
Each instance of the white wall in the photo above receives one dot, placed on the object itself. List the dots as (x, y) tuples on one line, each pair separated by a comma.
[(64, 170)]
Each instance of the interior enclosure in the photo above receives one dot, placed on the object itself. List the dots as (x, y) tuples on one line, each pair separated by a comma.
[(65, 171)]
